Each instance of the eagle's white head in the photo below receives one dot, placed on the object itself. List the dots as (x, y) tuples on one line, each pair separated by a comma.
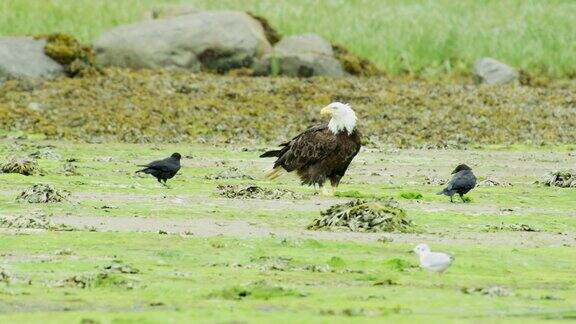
[(343, 117)]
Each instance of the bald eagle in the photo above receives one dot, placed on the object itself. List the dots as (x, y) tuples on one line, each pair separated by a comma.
[(321, 152)]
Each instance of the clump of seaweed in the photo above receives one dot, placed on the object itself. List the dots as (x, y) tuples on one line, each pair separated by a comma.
[(256, 192), (118, 266), (100, 279), (69, 169), (112, 275), (272, 35), (9, 278), (42, 193), (22, 165), (77, 59), (365, 216), (511, 228), (45, 153), (217, 111), (35, 220), (562, 179), (354, 64), (493, 291)]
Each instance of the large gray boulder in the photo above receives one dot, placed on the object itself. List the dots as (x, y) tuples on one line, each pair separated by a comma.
[(213, 40), (23, 57), (490, 71), (301, 56)]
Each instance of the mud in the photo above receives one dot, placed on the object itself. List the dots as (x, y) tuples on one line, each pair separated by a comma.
[(242, 229), (229, 173), (493, 182)]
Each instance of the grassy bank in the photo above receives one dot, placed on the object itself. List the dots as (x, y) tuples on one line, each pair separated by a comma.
[(429, 38), (251, 260)]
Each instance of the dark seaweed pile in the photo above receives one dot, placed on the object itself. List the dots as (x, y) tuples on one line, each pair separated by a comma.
[(177, 106), (562, 179), (364, 216)]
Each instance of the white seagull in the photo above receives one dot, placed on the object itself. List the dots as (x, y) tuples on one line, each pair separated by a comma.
[(433, 261)]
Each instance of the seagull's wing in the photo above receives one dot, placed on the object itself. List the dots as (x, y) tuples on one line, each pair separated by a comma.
[(436, 259)]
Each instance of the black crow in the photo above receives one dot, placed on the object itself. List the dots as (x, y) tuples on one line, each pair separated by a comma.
[(164, 169), (462, 182)]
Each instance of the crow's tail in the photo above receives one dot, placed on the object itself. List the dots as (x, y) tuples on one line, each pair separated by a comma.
[(145, 170), (274, 153), (441, 192)]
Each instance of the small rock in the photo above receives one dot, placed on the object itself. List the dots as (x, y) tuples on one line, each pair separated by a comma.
[(490, 71)]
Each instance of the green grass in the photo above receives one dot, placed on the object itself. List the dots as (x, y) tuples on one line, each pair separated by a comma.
[(428, 38), (187, 278), (279, 277)]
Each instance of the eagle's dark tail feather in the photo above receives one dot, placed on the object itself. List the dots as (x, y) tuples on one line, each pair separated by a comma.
[(274, 153)]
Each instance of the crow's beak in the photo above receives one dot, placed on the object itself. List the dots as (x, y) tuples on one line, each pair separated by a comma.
[(326, 111)]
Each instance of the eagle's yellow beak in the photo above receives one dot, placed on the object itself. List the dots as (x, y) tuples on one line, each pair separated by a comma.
[(326, 111)]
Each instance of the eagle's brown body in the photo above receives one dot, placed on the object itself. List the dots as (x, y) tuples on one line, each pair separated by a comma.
[(318, 154)]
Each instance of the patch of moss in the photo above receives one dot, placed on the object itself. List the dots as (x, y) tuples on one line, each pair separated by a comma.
[(77, 59), (399, 264), (354, 64), (256, 290), (179, 107), (272, 35), (411, 195)]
